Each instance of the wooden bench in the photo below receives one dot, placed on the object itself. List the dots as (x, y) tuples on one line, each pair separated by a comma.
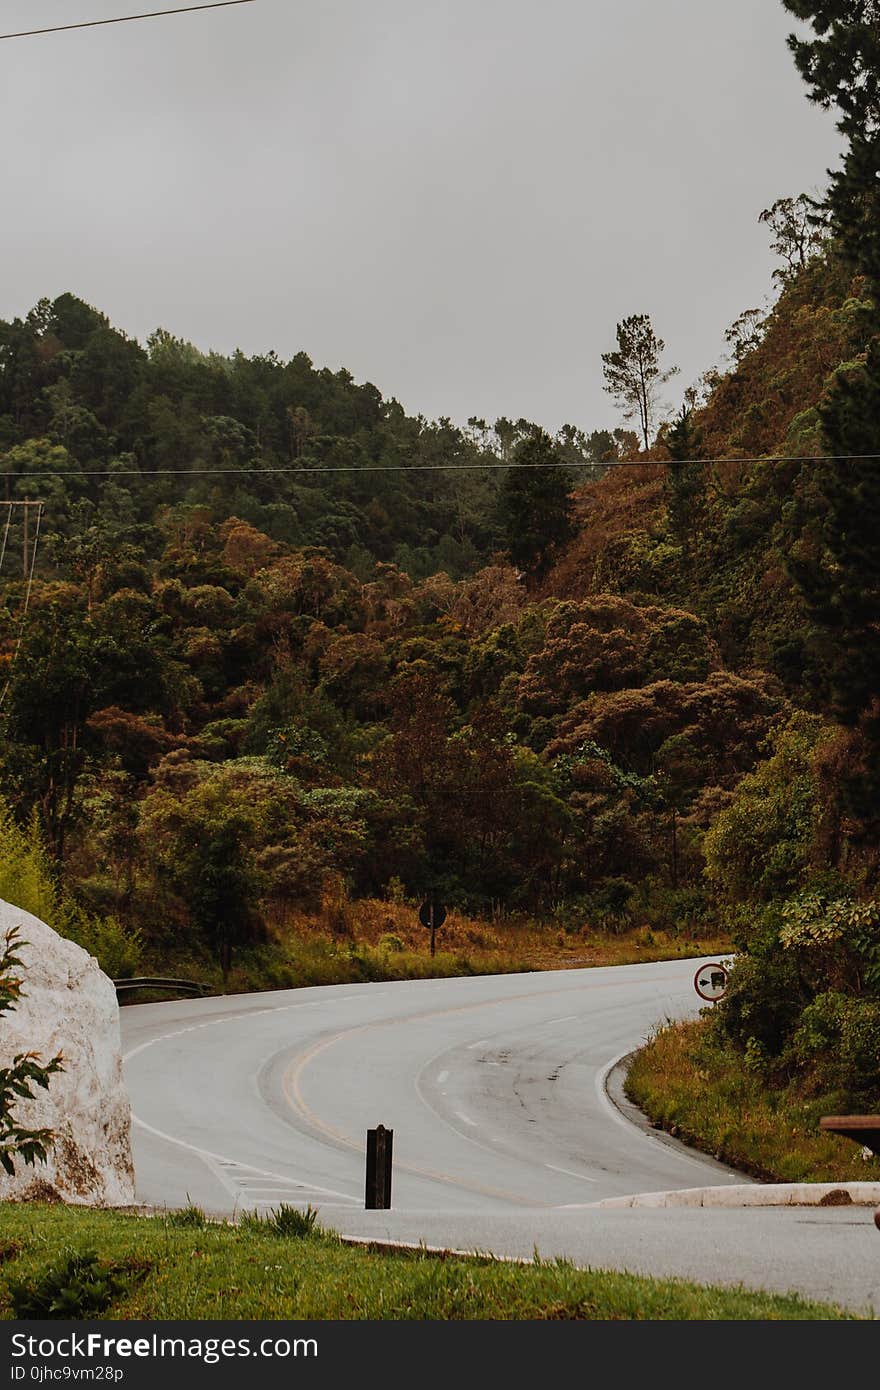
[(862, 1129)]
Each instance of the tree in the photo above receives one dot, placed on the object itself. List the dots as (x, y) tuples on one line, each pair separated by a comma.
[(69, 666), (18, 1079), (684, 441), (843, 591), (224, 889), (535, 505), (799, 231), (841, 67), (746, 332), (763, 844), (632, 373)]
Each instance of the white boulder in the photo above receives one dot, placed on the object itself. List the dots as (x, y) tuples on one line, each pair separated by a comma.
[(68, 1005)]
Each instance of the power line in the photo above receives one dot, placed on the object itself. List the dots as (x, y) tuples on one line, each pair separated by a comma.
[(305, 469), (124, 19)]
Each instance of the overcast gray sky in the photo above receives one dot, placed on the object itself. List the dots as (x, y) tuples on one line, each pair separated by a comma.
[(455, 200)]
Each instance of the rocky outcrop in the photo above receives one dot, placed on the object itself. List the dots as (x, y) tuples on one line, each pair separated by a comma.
[(68, 1005)]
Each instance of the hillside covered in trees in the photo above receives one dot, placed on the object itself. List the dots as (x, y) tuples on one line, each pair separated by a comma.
[(269, 644)]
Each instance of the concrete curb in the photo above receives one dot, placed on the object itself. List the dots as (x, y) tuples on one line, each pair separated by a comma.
[(771, 1194), (612, 1088)]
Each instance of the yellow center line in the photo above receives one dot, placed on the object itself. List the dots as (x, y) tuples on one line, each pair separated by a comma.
[(292, 1083)]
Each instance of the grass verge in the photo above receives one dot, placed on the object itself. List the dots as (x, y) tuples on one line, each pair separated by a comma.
[(702, 1092), (168, 1268), (351, 942)]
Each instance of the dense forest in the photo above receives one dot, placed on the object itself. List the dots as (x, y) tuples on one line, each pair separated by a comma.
[(268, 643)]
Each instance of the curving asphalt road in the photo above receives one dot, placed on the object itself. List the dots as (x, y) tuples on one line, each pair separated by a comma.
[(504, 1134)]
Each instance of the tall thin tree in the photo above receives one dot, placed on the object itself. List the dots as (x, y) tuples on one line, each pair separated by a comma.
[(633, 374)]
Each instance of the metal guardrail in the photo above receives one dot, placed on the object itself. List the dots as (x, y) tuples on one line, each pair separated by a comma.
[(166, 985)]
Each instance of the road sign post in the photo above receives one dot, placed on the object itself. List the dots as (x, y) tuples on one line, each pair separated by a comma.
[(380, 1143), (432, 915), (710, 981)]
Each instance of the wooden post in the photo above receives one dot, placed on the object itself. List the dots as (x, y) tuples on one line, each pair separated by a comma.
[(24, 538), (380, 1143)]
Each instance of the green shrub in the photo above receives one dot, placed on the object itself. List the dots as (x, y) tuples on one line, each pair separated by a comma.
[(818, 1031), (764, 1000), (291, 1222), (389, 941), (836, 940), (189, 1216), (614, 897), (28, 881), (396, 892), (682, 910), (860, 1049), (25, 875), (838, 1039), (763, 843), (572, 915), (81, 1287), (116, 948), (287, 1221)]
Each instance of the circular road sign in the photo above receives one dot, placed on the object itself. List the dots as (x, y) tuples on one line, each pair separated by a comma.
[(710, 981), (425, 913)]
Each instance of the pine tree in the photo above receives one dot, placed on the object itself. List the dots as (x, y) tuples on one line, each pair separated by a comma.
[(841, 67), (632, 373)]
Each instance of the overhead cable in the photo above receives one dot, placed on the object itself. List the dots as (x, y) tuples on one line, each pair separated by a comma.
[(273, 471), (125, 19)]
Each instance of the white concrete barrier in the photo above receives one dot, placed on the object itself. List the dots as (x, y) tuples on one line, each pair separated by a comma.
[(764, 1194)]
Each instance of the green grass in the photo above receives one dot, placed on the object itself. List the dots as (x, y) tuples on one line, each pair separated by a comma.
[(155, 1268), (706, 1095)]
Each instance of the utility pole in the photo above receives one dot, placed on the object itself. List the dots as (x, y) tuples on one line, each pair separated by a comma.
[(28, 565), (27, 559), (432, 914)]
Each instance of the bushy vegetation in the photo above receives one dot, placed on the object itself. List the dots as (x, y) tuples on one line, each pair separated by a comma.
[(80, 1286), (30, 880), (691, 1082)]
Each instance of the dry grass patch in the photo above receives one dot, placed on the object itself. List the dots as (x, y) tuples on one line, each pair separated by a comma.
[(355, 941)]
